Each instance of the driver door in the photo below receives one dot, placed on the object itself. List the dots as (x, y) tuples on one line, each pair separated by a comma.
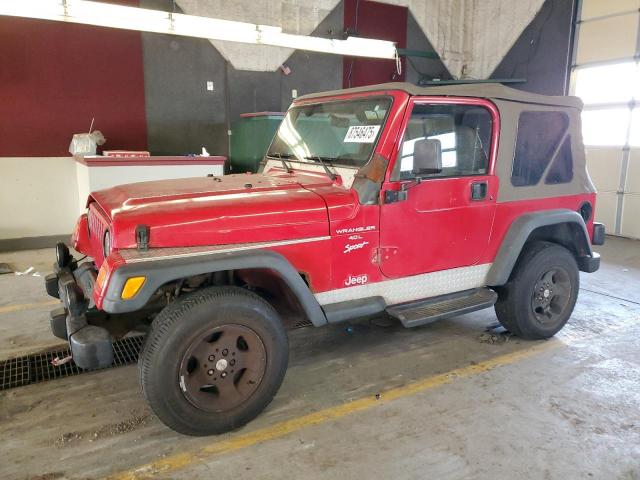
[(441, 219)]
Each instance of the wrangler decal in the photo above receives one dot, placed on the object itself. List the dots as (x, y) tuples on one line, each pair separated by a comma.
[(368, 228)]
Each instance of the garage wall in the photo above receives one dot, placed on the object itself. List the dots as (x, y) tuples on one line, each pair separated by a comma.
[(630, 218), (56, 77), (606, 74), (310, 72), (419, 69), (471, 36), (183, 115), (39, 197), (542, 53)]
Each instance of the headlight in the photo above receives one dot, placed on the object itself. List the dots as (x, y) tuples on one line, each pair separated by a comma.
[(106, 244)]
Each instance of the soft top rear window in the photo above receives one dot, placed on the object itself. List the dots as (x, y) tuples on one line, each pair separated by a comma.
[(539, 139)]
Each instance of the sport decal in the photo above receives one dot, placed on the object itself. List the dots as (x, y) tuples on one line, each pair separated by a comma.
[(361, 134), (348, 248)]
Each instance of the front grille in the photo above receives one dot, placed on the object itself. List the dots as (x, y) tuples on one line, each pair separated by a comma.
[(97, 226)]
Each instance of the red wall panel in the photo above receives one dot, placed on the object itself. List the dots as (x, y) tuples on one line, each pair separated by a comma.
[(374, 20), (55, 77)]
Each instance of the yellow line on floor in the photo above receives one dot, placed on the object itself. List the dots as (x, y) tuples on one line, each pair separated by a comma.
[(27, 306), (182, 460)]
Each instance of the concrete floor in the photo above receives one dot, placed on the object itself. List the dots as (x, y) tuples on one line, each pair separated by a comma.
[(453, 404)]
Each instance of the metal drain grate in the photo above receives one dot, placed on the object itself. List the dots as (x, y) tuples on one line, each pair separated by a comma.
[(303, 324), (36, 368)]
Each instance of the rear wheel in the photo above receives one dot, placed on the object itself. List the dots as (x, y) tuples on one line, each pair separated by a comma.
[(213, 360), (541, 293)]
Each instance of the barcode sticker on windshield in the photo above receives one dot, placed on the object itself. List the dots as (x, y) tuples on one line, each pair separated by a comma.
[(361, 134)]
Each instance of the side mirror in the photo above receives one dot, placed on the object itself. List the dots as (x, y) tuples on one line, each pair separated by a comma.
[(427, 157)]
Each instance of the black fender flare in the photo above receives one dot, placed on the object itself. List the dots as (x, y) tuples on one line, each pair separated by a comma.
[(519, 233), (158, 272)]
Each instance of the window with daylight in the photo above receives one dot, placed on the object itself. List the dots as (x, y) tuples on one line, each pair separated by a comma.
[(605, 126), (463, 133), (611, 96)]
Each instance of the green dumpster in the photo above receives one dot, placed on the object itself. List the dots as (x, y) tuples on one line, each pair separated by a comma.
[(251, 136)]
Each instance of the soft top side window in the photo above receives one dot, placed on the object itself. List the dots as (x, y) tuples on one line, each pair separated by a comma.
[(462, 134), (542, 138), (561, 170)]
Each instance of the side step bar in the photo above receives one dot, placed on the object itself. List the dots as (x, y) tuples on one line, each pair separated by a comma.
[(350, 309), (421, 312)]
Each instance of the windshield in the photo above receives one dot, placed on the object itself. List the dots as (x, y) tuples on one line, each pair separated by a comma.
[(343, 132)]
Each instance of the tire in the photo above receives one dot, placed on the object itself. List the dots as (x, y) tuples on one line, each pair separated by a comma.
[(204, 337), (541, 293)]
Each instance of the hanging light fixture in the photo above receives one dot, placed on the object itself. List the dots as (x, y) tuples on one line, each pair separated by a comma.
[(156, 21)]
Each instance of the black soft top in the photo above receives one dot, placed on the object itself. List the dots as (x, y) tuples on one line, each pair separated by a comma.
[(480, 90)]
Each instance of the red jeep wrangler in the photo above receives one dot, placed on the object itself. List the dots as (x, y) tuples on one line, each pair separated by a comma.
[(424, 203)]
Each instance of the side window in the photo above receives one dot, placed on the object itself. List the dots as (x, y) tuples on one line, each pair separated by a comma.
[(458, 135), (538, 139), (561, 170)]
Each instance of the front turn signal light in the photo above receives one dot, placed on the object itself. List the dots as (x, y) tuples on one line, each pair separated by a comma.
[(131, 287), (102, 275)]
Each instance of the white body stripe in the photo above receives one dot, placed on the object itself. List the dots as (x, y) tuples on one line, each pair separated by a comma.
[(412, 288), (134, 256)]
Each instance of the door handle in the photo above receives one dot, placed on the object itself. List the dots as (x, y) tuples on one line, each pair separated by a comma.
[(479, 190)]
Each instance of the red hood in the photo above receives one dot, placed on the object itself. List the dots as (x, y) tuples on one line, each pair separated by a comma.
[(219, 210)]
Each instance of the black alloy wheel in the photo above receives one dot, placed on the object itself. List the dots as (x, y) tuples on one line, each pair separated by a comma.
[(541, 293)]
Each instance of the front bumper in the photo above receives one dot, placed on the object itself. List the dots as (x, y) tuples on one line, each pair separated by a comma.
[(91, 346)]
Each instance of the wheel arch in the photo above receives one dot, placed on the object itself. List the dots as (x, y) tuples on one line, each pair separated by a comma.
[(561, 226), (262, 264)]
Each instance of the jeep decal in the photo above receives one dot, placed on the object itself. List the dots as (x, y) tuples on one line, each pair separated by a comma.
[(356, 280)]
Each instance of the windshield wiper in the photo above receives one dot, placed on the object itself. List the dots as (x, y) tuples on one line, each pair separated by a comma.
[(281, 157), (320, 159)]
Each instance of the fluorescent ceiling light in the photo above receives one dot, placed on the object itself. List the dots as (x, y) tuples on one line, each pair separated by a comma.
[(352, 46), (155, 21)]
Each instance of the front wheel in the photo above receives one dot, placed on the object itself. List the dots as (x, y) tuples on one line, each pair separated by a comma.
[(541, 293), (213, 360)]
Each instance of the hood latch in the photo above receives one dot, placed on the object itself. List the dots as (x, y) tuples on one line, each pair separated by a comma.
[(142, 237)]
